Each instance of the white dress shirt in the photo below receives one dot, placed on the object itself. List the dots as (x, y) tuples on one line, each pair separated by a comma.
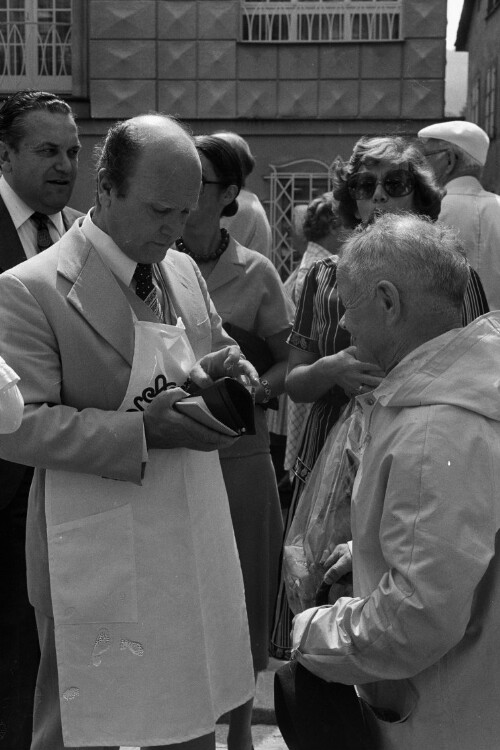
[(20, 214)]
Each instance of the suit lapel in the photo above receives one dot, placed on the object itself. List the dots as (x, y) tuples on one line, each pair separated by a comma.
[(96, 293), (11, 249)]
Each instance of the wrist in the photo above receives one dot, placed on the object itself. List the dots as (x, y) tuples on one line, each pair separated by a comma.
[(266, 389)]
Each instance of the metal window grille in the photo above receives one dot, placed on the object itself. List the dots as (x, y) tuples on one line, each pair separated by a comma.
[(35, 44), (474, 101), (320, 20), (490, 101), (293, 184)]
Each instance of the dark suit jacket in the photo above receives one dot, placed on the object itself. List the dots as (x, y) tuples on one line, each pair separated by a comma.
[(11, 254)]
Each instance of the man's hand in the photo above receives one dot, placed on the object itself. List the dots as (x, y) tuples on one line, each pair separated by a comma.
[(165, 427), (226, 362), (338, 564)]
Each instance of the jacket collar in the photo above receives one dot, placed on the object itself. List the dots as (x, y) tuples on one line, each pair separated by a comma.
[(230, 265), (95, 292)]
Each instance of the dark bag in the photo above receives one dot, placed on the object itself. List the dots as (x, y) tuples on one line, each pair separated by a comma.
[(316, 715)]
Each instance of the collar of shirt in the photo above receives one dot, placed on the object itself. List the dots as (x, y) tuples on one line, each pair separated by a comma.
[(20, 212), (118, 263)]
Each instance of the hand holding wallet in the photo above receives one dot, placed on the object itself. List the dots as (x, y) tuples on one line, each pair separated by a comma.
[(225, 406)]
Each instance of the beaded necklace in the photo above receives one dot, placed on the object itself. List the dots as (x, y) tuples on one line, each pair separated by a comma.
[(224, 242)]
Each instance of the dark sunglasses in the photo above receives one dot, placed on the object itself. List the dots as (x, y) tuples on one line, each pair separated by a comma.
[(397, 183)]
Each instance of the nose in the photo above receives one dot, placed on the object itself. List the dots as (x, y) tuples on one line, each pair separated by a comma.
[(342, 323), (64, 163), (174, 224), (379, 195)]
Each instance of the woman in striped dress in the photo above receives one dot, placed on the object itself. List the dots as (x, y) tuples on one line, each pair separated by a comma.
[(384, 174)]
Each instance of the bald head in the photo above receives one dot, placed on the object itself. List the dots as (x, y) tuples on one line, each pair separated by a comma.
[(150, 136), (149, 179)]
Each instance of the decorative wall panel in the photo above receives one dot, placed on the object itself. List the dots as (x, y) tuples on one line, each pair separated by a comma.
[(216, 99), (340, 61), (123, 19), (177, 60), (257, 62), (380, 98), (423, 98), (424, 58), (177, 98), (177, 20), (425, 18), (116, 99), (218, 20), (297, 98), (298, 62), (217, 60), (339, 98), (381, 61), (257, 99), (122, 58)]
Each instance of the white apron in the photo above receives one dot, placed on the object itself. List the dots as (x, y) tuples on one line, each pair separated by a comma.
[(150, 621)]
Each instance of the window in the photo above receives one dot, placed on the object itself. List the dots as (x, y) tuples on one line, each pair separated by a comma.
[(320, 20), (490, 100), (35, 45), (474, 101)]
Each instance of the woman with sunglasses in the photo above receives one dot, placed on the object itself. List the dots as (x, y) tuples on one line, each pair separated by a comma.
[(384, 174), (249, 296), (389, 174)]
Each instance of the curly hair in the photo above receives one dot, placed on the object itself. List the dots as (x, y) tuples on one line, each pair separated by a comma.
[(401, 152), (321, 216)]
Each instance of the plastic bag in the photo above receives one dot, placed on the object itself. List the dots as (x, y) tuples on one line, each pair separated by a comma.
[(323, 516)]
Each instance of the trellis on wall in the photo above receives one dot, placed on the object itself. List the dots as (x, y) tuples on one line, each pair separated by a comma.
[(293, 184)]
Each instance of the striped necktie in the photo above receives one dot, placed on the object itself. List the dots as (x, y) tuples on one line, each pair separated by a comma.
[(145, 289), (43, 238)]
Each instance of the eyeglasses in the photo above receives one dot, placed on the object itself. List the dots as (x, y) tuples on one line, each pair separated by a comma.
[(204, 182), (432, 153), (397, 183)]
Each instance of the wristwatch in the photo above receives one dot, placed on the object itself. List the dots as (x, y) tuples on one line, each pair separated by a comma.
[(267, 391)]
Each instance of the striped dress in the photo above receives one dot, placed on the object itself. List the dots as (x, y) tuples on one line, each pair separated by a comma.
[(316, 329)]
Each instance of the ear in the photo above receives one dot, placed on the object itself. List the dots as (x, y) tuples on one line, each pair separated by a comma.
[(389, 301), (104, 187), (5, 157), (451, 160), (230, 194)]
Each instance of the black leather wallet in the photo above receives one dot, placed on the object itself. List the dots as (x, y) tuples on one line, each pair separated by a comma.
[(227, 401)]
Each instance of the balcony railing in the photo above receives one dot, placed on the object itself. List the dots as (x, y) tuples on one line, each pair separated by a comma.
[(321, 20), (35, 53)]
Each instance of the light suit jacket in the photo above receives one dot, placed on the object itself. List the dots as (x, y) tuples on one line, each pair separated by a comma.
[(11, 254), (67, 330)]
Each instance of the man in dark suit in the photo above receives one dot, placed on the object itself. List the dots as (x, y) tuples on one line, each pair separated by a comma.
[(39, 159)]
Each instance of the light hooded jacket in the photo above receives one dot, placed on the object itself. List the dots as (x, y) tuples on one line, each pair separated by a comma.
[(421, 637)]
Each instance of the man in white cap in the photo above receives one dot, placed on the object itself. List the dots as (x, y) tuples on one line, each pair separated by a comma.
[(457, 152)]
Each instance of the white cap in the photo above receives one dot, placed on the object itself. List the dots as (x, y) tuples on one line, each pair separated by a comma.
[(466, 135)]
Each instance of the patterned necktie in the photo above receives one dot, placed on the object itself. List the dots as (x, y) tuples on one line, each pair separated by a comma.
[(43, 238), (145, 289)]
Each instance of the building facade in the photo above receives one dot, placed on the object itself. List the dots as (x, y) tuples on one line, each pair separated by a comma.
[(479, 34), (302, 80)]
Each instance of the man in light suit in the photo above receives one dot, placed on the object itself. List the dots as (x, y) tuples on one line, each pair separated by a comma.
[(72, 309), (39, 159), (457, 152)]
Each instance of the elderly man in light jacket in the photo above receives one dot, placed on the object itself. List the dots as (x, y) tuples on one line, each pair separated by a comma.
[(420, 638)]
